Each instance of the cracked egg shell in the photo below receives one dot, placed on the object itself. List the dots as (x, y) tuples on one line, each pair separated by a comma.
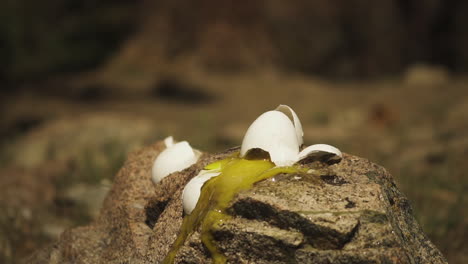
[(319, 150), (192, 190), (274, 133), (285, 109), (176, 157)]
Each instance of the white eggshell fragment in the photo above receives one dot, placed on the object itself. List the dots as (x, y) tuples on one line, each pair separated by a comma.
[(192, 190), (176, 157), (169, 141), (274, 133), (295, 119), (319, 150)]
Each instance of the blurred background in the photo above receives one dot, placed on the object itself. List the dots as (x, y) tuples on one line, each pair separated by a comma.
[(82, 83)]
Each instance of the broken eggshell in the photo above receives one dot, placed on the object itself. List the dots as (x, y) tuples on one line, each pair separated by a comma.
[(279, 133), (295, 119), (274, 133), (192, 190), (315, 152), (176, 157), (169, 141)]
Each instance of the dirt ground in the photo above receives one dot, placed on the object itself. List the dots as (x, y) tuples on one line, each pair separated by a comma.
[(59, 153)]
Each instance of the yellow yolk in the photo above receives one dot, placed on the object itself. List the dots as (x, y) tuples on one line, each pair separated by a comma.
[(236, 175)]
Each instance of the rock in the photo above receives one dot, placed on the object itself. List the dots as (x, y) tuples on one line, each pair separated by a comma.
[(349, 212), (26, 204), (88, 195), (95, 136), (56, 171)]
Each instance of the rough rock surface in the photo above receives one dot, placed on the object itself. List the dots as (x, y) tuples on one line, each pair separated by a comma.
[(350, 212)]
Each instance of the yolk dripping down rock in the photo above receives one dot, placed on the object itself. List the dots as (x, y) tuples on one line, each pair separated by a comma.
[(236, 175)]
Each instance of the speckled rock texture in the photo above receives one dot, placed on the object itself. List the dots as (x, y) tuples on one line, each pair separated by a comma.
[(349, 212)]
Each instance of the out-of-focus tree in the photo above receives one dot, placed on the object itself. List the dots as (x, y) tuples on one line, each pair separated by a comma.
[(39, 37), (337, 38), (353, 38)]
